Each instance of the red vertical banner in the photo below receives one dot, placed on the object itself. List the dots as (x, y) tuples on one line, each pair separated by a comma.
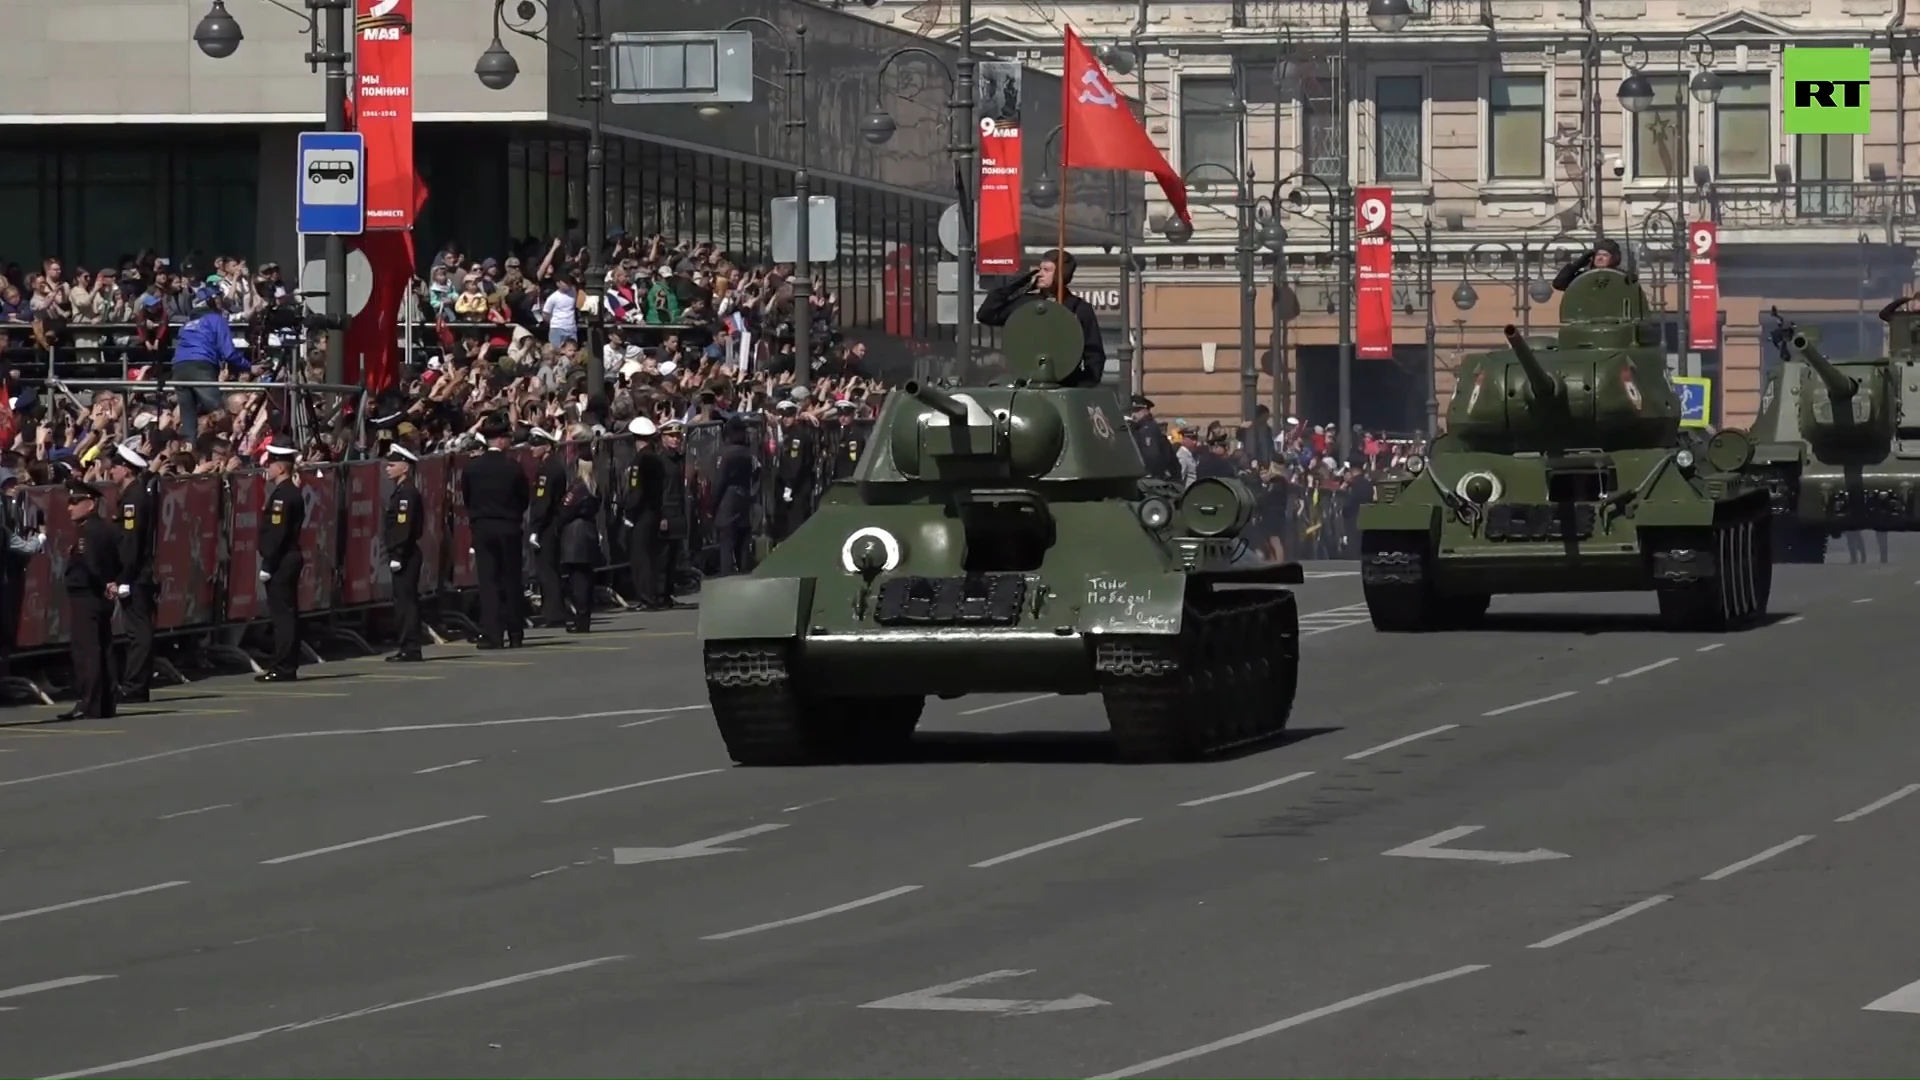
[(896, 290), (383, 107), (1703, 286), (1373, 266), (1000, 251)]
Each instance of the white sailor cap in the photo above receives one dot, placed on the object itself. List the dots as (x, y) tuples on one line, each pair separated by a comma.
[(668, 367), (130, 456), (788, 405), (282, 451), (542, 435), (401, 453), (642, 427)]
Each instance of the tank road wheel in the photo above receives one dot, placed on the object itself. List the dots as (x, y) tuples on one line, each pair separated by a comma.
[(1396, 576), (1713, 579), (1227, 679), (766, 720)]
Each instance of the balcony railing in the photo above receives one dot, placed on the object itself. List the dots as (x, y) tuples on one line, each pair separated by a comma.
[(1815, 202), (1326, 13)]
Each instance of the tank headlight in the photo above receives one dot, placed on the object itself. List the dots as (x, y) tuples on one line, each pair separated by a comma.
[(1156, 513), (1415, 463), (1684, 459)]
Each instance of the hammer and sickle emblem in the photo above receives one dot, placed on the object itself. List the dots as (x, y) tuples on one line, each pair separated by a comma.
[(1098, 92)]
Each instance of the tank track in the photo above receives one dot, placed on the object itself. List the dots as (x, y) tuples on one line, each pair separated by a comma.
[(1226, 680), (1396, 577), (765, 717), (1717, 578)]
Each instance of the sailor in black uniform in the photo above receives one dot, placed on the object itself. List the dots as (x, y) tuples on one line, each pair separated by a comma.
[(851, 441), (280, 562), (92, 583), (642, 488), (543, 526), (496, 493), (1162, 463), (139, 518), (403, 552)]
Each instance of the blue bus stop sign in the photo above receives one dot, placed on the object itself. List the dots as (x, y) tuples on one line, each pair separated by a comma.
[(1696, 401), (332, 184)]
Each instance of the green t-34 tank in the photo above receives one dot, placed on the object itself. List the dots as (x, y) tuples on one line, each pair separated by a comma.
[(1838, 440), (1564, 469), (1004, 539)]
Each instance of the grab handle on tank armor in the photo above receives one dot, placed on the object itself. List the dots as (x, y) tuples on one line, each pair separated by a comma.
[(937, 399), (1838, 383), (1546, 386)]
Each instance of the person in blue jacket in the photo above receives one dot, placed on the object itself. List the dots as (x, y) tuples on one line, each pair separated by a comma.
[(203, 349)]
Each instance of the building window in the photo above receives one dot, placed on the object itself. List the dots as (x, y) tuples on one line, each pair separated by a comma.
[(1320, 139), (1657, 150), (1823, 165), (1743, 128), (1517, 127), (1209, 127), (1398, 104)]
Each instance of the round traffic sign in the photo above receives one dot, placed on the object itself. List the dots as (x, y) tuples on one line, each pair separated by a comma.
[(313, 284), (950, 230)]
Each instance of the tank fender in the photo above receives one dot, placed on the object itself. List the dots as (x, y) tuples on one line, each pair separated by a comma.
[(1131, 603), (1400, 517), (769, 608)]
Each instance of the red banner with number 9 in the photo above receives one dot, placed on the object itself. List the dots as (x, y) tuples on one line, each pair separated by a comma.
[(1373, 264), (1703, 286)]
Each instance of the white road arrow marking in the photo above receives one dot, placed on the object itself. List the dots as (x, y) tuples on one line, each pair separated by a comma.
[(627, 856), (935, 999), (1904, 1000), (51, 984), (1430, 848)]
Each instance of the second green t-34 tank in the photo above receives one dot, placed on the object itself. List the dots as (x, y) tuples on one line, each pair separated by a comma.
[(1838, 440), (1564, 469), (1005, 539)]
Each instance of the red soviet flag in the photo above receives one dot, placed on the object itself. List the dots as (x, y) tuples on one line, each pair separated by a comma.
[(1099, 131)]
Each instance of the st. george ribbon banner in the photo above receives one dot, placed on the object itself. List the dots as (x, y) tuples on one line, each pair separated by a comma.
[(1703, 286), (998, 115), (383, 107), (1373, 265)]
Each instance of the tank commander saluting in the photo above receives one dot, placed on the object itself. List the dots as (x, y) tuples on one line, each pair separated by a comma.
[(1604, 256), (1044, 283)]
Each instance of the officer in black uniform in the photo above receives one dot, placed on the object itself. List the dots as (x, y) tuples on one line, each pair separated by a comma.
[(852, 440), (675, 509), (497, 494), (733, 501), (1043, 283), (92, 581), (641, 489), (280, 562), (543, 526), (793, 470), (139, 515), (1162, 463), (1604, 256), (403, 552)]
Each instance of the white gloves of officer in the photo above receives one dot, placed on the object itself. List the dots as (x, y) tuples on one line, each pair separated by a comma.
[(264, 576), (786, 494), (393, 565), (534, 540), (124, 590)]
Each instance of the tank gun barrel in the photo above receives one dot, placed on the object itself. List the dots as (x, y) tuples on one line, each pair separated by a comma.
[(1838, 384), (935, 398), (1545, 384)]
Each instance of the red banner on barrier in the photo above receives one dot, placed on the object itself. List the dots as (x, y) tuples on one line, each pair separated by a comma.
[(1373, 271), (43, 601), (999, 218), (364, 576), (462, 570), (383, 104), (186, 554), (1703, 284), (246, 596), (431, 479), (319, 536)]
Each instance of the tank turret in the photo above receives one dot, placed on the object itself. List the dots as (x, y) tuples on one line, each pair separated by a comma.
[(937, 399), (1838, 383), (1547, 387)]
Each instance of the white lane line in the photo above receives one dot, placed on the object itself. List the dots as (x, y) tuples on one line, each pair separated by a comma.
[(1627, 912), (458, 725), (372, 840), (1710, 648), (235, 1040), (630, 787), (1791, 619), (1777, 849), (444, 768), (1008, 704), (1505, 709), (1864, 600), (1054, 843), (11, 916), (1290, 1022), (1639, 671), (1880, 803), (190, 813), (1904, 1000), (51, 984), (1254, 790), (1401, 741), (812, 915)]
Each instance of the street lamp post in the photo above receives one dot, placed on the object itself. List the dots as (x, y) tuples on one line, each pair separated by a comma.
[(1636, 94), (1246, 245), (1273, 233), (795, 121), (496, 69), (1423, 244), (218, 36), (963, 144)]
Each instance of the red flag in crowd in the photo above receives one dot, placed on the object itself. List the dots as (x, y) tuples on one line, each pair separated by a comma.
[(1099, 130), (373, 352)]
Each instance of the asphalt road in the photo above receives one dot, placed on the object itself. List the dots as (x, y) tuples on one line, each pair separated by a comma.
[(1565, 844)]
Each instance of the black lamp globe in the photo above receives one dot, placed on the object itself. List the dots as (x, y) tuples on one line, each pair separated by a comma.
[(1043, 193), (1118, 60), (496, 67), (1540, 291), (1636, 93), (218, 32), (1177, 229), (878, 127), (1706, 87), (1389, 16), (1464, 297)]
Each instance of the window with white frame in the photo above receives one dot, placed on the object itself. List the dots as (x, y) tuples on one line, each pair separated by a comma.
[(1320, 139), (1517, 127), (1823, 167), (1399, 105), (1743, 128), (1657, 152), (1209, 127)]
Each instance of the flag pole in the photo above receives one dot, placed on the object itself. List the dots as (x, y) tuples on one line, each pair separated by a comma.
[(1060, 266)]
